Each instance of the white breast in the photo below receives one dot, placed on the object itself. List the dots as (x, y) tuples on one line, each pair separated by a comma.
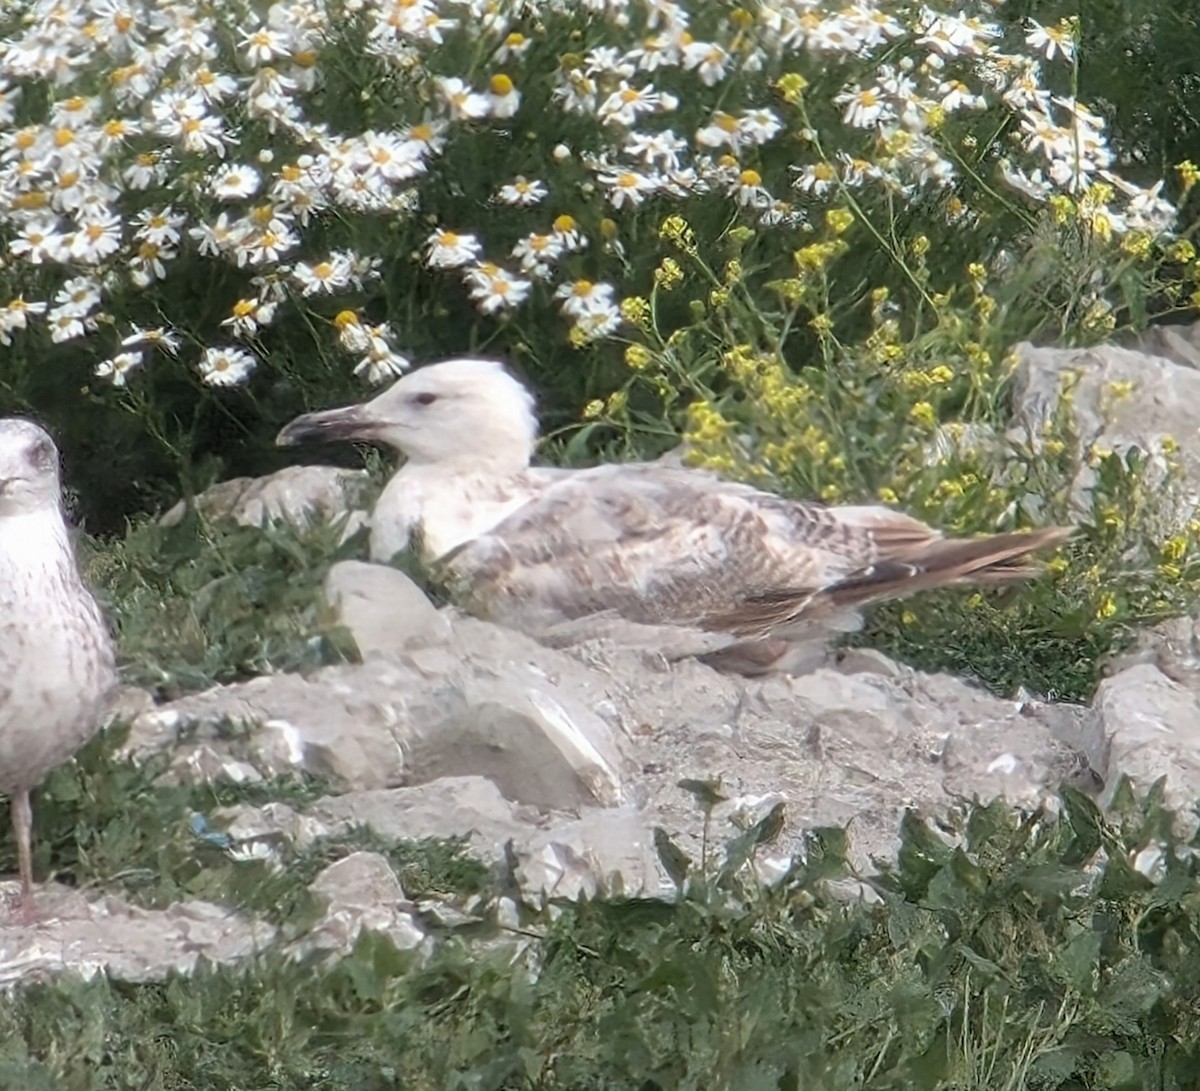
[(56, 660), (447, 509)]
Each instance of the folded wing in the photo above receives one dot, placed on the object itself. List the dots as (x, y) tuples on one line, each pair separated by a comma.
[(659, 545)]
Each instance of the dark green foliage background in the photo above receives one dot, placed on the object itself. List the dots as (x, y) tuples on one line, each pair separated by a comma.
[(1137, 67)]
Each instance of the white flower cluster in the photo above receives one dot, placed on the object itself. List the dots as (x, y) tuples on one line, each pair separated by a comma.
[(130, 154)]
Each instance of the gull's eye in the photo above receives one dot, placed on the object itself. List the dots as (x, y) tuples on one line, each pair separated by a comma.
[(425, 398), (42, 454)]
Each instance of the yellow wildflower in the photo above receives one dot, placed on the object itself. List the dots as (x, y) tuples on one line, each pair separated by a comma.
[(1062, 208), (838, 220), (791, 85), (811, 258), (1136, 245), (1175, 548), (638, 357), (705, 423), (1181, 251), (1107, 606), (635, 310), (675, 229), (1189, 174), (668, 275), (922, 414), (593, 409)]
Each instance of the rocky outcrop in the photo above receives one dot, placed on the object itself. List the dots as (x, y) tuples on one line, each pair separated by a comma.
[(559, 764)]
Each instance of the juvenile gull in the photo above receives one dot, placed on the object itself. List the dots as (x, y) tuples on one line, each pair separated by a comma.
[(56, 657), (647, 543)]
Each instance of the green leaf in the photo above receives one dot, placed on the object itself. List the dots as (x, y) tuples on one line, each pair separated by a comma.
[(707, 793), (673, 859)]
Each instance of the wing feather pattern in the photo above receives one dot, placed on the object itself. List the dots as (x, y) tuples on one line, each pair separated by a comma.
[(661, 545)]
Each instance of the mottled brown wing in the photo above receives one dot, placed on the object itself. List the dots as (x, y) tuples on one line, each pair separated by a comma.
[(901, 568), (658, 545)]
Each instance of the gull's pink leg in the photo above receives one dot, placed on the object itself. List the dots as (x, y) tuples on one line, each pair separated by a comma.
[(22, 820)]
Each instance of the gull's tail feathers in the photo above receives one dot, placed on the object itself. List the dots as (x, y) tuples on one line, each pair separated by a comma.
[(990, 561), (908, 562)]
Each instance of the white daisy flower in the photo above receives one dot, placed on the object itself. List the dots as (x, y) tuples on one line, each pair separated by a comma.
[(722, 131), (96, 237), (536, 253), (626, 104), (234, 182), (568, 233), (462, 102), (449, 250), (515, 46), (117, 368), (248, 316), (864, 107), (1051, 41), (262, 46), (580, 297), (522, 193), (326, 277), (708, 59), (494, 289), (226, 366), (156, 337), (503, 97), (597, 323), (66, 325), (380, 362), (15, 316), (160, 228), (628, 188)]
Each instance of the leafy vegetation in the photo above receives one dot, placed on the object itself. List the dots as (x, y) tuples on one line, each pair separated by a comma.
[(105, 822), (821, 293), (1003, 951), (208, 601)]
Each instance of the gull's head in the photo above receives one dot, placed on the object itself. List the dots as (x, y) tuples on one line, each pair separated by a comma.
[(467, 412), (28, 469)]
